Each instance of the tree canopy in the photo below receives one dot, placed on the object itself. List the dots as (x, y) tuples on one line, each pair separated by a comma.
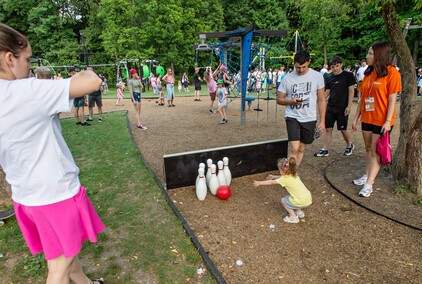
[(167, 30)]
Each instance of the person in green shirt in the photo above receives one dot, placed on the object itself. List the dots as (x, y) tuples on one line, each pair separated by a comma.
[(135, 87)]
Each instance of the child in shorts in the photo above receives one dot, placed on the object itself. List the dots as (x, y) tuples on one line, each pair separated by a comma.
[(299, 196), (212, 87), (222, 101)]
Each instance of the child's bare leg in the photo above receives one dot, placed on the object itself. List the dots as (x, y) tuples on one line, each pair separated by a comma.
[(76, 114), (220, 110), (77, 273), (81, 114), (59, 270), (290, 211)]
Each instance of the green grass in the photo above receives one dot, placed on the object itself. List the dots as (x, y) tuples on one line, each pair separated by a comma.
[(143, 236), (401, 190)]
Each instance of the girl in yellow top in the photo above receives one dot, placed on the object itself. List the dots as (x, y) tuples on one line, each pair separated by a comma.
[(299, 196)]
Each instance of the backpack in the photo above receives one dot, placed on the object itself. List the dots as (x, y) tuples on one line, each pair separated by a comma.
[(384, 149)]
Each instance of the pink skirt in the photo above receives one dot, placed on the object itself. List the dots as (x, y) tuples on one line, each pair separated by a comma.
[(59, 228)]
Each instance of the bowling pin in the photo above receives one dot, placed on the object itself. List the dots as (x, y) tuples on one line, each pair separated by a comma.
[(214, 184), (227, 172), (201, 165), (221, 177), (201, 188), (209, 163)]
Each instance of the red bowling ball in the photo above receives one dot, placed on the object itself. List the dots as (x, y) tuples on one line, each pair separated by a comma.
[(224, 192)]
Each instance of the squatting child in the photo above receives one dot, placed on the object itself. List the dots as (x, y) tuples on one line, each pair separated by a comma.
[(299, 196), (222, 101)]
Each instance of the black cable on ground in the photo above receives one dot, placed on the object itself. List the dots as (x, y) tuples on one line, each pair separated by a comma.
[(209, 263), (366, 207)]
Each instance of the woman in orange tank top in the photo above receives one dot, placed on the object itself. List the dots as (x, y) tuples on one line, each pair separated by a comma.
[(376, 109)]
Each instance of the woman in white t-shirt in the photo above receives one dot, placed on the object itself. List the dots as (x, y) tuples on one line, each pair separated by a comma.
[(52, 209)]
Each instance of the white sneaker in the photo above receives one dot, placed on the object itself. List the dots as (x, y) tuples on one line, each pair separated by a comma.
[(361, 181), (290, 219), (300, 214), (366, 190)]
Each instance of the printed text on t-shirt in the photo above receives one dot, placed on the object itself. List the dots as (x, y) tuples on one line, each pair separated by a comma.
[(301, 91)]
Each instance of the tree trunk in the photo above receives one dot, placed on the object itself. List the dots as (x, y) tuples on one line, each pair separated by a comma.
[(414, 155), (325, 47), (407, 158), (416, 49)]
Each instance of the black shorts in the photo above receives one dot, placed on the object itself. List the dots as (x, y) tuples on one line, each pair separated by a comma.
[(95, 100), (79, 102), (331, 116), (375, 129), (197, 87), (300, 131)]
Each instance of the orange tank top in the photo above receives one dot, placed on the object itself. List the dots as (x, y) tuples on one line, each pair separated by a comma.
[(375, 96)]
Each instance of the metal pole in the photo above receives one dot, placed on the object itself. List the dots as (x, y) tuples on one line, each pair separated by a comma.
[(244, 66), (84, 46)]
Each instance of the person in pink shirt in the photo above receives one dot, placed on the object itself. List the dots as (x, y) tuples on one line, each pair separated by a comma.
[(119, 94), (212, 86), (153, 81)]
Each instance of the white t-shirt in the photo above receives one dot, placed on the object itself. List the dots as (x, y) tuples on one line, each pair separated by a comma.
[(33, 153), (304, 87), (221, 94), (280, 75), (360, 73)]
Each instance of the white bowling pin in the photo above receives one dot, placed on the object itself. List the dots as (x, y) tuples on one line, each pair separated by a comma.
[(201, 188), (221, 177), (209, 163), (214, 184), (227, 172), (201, 165)]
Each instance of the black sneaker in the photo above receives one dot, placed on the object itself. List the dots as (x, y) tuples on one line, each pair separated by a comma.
[(349, 150), (78, 123), (211, 111), (321, 153), (89, 119), (86, 124)]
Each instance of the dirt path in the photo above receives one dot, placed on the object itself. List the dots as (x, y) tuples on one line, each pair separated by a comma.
[(338, 241)]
